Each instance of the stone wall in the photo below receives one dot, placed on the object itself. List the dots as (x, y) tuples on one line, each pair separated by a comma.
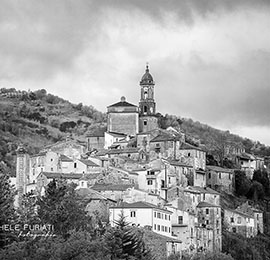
[(126, 123)]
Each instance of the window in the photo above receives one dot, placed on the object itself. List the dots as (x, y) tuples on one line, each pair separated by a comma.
[(162, 228), (149, 182), (165, 216), (207, 211), (155, 227), (145, 122), (132, 214), (158, 227), (230, 176), (234, 229), (169, 230), (145, 109), (207, 222), (161, 215), (158, 215), (209, 175), (180, 220), (51, 169), (75, 165), (169, 219), (239, 220), (204, 196), (188, 155), (191, 232), (155, 214), (166, 229), (232, 220), (219, 175)]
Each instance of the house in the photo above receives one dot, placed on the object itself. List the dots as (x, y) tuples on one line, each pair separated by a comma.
[(97, 205), (247, 163), (219, 178), (194, 156), (113, 137), (71, 148), (184, 227), (164, 145), (239, 222), (86, 166), (257, 215), (95, 139), (209, 232), (162, 246), (133, 195), (144, 214), (44, 178), (112, 191), (199, 194)]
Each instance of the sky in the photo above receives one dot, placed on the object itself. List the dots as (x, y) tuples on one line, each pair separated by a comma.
[(210, 59)]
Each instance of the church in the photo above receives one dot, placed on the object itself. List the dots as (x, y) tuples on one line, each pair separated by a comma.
[(129, 119)]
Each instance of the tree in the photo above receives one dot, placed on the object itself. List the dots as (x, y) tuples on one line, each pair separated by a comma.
[(217, 146), (261, 176), (242, 183), (7, 212), (256, 191), (27, 213), (125, 242), (63, 208)]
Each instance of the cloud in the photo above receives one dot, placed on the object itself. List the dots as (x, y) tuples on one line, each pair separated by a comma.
[(209, 58)]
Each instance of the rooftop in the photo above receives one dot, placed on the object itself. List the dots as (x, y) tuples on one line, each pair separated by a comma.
[(56, 175), (218, 169), (64, 158), (122, 103), (204, 204), (111, 187), (88, 163), (140, 205), (187, 146)]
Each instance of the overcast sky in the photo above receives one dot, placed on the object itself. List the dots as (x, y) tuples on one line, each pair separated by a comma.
[(210, 59)]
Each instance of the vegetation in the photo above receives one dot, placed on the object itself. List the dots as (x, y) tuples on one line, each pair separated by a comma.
[(74, 236), (255, 189), (7, 212), (242, 248)]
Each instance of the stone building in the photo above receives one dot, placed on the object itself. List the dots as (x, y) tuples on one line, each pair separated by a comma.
[(209, 231), (219, 178), (95, 139), (123, 117), (239, 222)]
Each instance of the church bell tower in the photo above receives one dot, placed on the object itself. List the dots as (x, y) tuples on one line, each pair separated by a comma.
[(147, 104)]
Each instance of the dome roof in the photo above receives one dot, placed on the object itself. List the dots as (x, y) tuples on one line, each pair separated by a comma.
[(147, 77)]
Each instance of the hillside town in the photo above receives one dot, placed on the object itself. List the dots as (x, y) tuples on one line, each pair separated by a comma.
[(155, 177)]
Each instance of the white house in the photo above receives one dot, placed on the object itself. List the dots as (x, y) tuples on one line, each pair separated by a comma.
[(144, 214)]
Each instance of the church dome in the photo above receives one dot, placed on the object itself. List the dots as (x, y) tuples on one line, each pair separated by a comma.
[(147, 77)]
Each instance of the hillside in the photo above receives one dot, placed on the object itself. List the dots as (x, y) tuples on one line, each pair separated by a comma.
[(38, 118)]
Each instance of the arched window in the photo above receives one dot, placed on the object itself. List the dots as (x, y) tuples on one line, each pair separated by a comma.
[(145, 94), (145, 109)]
